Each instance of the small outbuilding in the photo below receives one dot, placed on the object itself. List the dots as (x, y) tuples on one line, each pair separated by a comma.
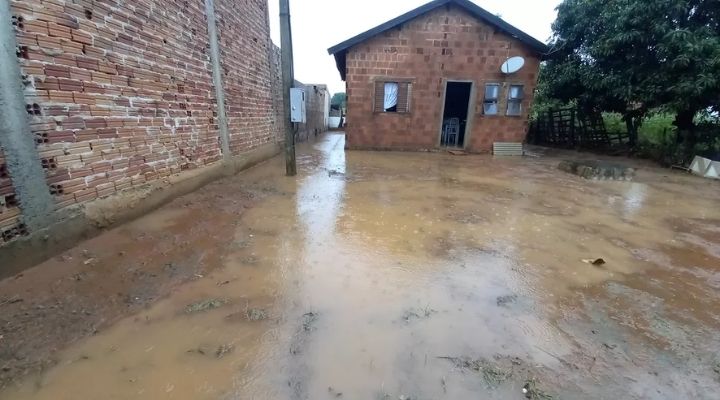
[(447, 74)]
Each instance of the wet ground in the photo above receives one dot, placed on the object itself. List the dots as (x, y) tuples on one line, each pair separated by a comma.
[(384, 276)]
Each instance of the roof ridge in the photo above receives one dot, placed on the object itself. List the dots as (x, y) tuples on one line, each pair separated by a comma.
[(472, 8)]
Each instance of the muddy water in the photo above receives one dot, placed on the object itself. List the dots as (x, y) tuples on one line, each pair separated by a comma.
[(428, 276)]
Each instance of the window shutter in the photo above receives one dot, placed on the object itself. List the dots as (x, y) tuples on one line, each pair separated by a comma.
[(403, 97), (379, 96)]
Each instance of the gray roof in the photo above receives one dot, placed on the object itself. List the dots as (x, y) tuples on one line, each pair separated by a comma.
[(340, 50)]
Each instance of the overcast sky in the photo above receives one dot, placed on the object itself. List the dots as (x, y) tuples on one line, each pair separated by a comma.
[(319, 24)]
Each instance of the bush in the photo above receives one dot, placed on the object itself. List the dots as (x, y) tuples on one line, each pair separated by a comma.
[(658, 138), (614, 123)]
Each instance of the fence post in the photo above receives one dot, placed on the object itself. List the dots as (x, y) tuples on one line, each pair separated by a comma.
[(23, 162), (572, 127), (551, 130)]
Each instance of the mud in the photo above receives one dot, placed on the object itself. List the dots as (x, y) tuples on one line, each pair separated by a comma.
[(384, 276)]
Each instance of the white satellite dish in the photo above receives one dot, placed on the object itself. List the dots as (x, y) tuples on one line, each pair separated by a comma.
[(512, 65)]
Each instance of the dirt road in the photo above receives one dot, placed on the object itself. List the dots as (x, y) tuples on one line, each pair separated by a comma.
[(384, 276)]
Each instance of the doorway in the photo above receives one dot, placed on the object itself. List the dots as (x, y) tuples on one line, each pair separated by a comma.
[(455, 114)]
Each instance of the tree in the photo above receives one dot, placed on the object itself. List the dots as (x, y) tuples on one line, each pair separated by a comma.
[(630, 56), (339, 100)]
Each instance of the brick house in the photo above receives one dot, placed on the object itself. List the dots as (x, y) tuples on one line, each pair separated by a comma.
[(432, 78)]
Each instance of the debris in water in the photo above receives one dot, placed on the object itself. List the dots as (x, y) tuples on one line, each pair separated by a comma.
[(594, 261), (205, 305), (12, 300), (596, 169), (200, 350), (503, 301), (223, 350), (334, 392), (610, 346), (332, 172), (492, 375), (417, 314), (308, 321), (532, 392), (256, 314)]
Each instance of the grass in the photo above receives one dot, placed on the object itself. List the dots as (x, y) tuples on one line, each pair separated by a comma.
[(657, 138), (657, 129)]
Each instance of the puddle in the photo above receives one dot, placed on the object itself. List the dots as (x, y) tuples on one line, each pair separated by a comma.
[(412, 276)]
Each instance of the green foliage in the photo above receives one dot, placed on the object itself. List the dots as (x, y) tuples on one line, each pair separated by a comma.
[(658, 137), (656, 127), (339, 99), (614, 122), (632, 56)]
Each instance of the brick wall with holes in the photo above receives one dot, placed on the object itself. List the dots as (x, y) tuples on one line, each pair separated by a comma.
[(247, 77), (446, 43), (276, 67), (120, 93), (10, 224)]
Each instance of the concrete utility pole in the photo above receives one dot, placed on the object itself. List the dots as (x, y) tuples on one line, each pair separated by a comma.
[(218, 79), (288, 77), (23, 163)]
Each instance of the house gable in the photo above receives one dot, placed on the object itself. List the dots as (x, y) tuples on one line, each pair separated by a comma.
[(340, 50)]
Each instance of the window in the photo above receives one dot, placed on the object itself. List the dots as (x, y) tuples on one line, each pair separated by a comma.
[(392, 97), (515, 98), (492, 95)]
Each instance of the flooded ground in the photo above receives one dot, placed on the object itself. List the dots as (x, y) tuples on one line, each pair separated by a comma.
[(384, 276)]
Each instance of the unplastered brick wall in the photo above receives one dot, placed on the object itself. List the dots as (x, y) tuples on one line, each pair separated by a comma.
[(243, 31), (120, 93), (317, 102), (10, 225), (277, 84), (444, 44)]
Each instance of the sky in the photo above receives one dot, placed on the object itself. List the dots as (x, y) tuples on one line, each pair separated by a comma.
[(320, 24)]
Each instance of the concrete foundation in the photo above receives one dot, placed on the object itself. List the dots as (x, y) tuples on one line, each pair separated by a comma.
[(90, 219)]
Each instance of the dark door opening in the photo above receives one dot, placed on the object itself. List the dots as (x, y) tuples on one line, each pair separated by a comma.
[(455, 116)]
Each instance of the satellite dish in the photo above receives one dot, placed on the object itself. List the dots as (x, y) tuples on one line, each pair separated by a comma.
[(512, 65)]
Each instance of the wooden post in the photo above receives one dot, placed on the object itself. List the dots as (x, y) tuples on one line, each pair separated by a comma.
[(288, 78), (573, 142), (551, 130)]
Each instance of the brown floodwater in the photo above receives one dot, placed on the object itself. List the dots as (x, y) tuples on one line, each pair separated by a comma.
[(379, 275)]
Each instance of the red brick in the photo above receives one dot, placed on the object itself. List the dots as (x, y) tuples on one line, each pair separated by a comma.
[(81, 37), (57, 30), (38, 27), (86, 74), (426, 54)]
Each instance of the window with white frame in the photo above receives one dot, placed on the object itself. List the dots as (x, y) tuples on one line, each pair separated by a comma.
[(515, 98), (492, 97)]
